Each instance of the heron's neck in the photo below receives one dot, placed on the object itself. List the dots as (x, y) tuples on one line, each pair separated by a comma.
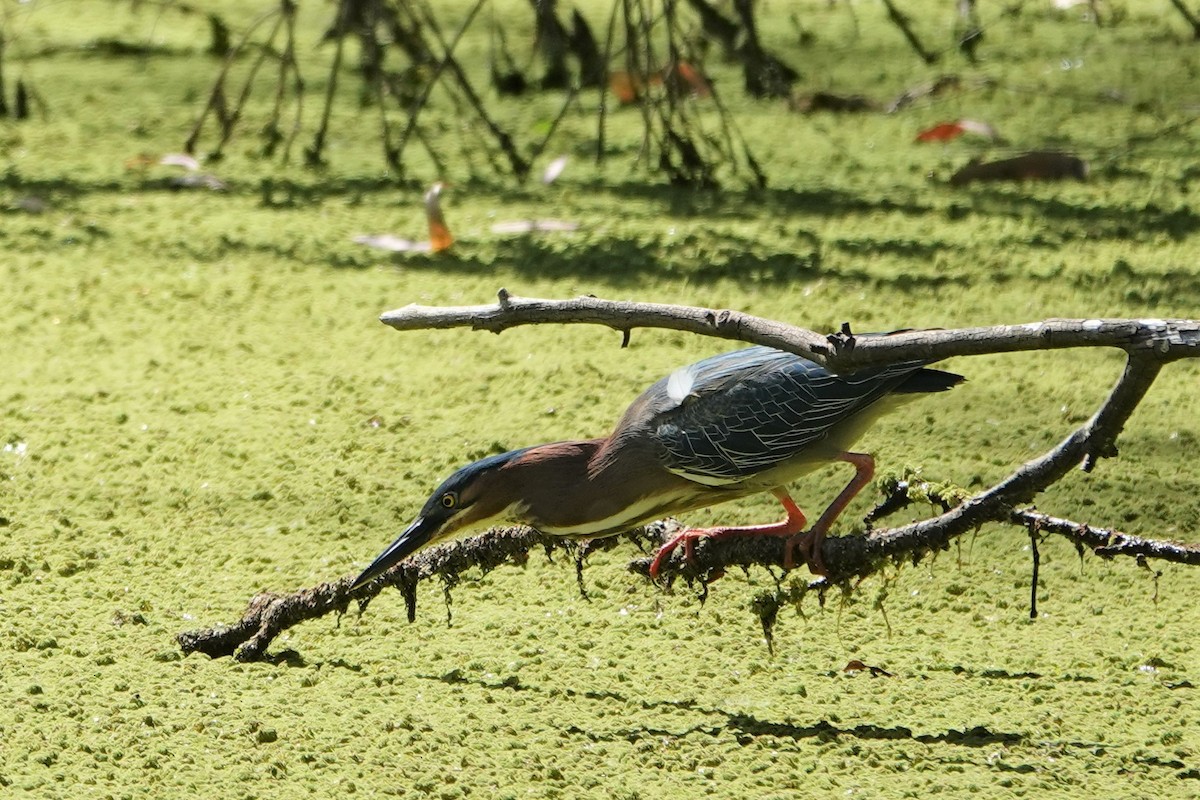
[(573, 489)]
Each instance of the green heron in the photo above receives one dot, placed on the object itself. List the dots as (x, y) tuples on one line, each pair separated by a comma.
[(729, 426)]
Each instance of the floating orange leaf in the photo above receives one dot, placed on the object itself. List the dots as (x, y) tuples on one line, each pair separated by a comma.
[(947, 131), (627, 87), (439, 233), (693, 78), (944, 132)]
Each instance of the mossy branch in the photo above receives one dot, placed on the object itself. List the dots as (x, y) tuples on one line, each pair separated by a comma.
[(1148, 343), (269, 614)]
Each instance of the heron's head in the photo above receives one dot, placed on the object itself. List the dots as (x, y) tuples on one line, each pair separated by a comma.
[(471, 498)]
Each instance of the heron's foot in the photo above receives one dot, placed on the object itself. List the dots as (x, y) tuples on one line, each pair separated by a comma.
[(806, 545), (687, 539)]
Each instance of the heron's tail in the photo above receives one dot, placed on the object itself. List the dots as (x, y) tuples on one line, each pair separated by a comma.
[(927, 380)]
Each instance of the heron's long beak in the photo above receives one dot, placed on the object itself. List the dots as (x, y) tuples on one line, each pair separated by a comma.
[(415, 536)]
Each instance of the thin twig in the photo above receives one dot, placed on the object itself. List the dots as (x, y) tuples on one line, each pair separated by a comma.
[(312, 154), (602, 116), (571, 99), (216, 96), (1108, 542), (1036, 568), (1191, 18), (287, 64), (900, 20), (519, 165), (419, 104)]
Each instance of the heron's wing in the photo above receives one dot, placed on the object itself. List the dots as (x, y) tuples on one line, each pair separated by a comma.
[(740, 413)]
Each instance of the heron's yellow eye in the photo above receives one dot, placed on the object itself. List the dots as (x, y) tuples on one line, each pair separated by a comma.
[(449, 500)]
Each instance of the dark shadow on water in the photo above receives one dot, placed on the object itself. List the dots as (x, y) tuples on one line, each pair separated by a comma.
[(1085, 218), (272, 192), (745, 727), (902, 248), (311, 189), (12, 180), (1058, 217), (748, 727), (734, 203), (626, 263), (1148, 285), (703, 253), (288, 658)]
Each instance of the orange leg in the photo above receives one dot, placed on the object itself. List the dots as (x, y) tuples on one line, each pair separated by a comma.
[(808, 544), (791, 526)]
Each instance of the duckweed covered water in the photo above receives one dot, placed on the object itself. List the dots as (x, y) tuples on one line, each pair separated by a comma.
[(198, 403)]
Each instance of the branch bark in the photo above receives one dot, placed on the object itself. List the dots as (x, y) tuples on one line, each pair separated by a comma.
[(268, 613), (1162, 339), (1149, 344)]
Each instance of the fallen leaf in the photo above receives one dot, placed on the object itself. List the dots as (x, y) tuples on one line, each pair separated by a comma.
[(947, 131), (626, 87), (827, 101), (393, 244), (693, 78), (978, 128), (554, 169), (180, 160), (858, 666), (1038, 165), (439, 233), (943, 132), (534, 226)]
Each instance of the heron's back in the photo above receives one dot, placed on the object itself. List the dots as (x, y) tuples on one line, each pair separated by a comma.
[(756, 412)]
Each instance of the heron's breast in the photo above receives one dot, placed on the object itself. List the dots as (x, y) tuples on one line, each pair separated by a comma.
[(601, 518)]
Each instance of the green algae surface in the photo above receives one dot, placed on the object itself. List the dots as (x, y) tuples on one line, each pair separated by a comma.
[(198, 403)]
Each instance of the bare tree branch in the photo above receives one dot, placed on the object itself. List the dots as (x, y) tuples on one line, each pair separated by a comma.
[(900, 20), (1164, 339), (1109, 543), (511, 312)]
